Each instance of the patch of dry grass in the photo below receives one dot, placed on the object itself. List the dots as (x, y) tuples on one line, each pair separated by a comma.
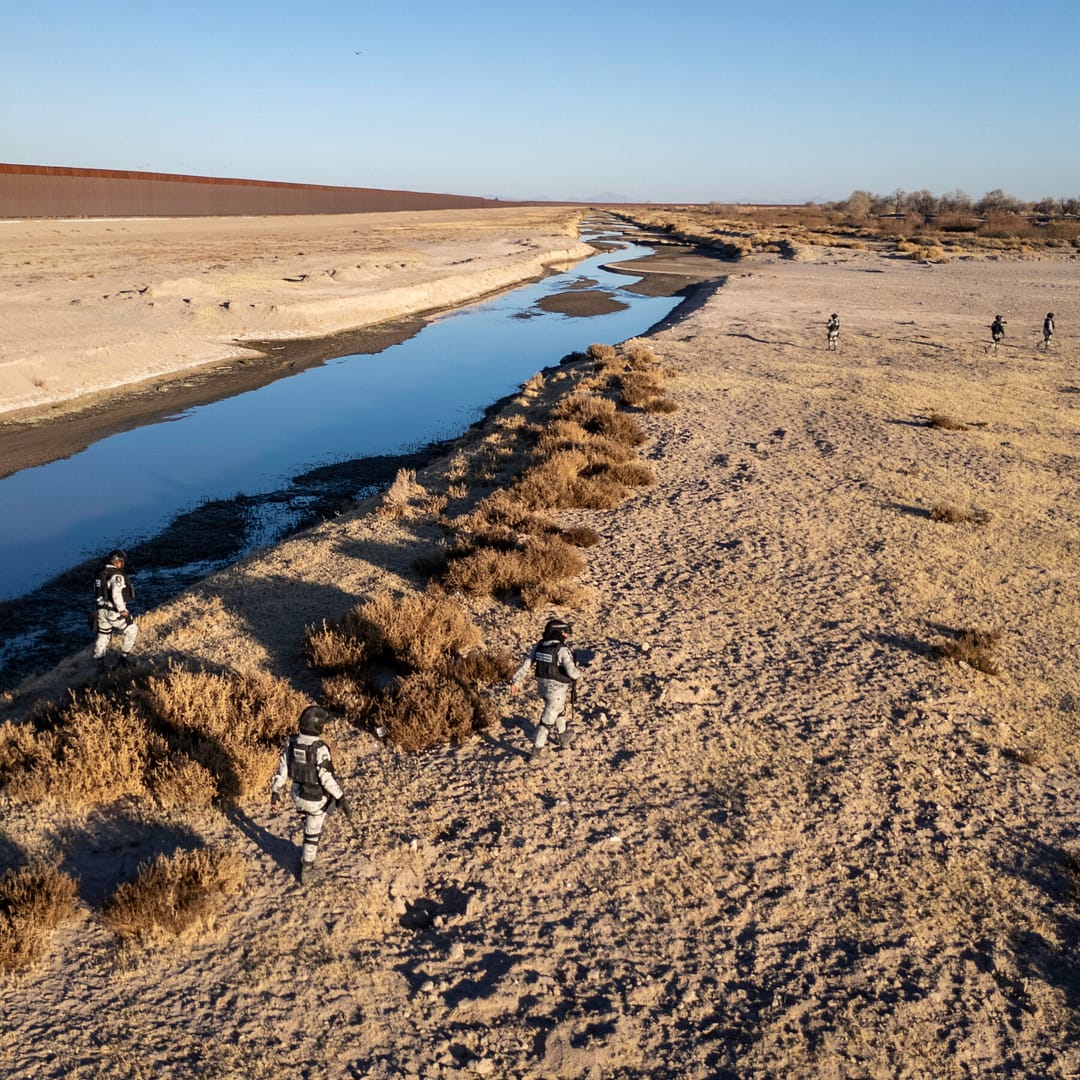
[(943, 422), (175, 893), (972, 647), (34, 901), (182, 738), (958, 515), (581, 536), (429, 708), (530, 570)]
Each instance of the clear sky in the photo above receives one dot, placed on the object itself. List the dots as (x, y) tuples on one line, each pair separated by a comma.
[(687, 101)]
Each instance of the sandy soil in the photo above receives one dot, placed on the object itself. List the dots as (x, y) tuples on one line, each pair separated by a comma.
[(789, 841), (91, 308)]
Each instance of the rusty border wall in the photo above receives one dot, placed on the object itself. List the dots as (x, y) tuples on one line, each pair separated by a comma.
[(48, 191)]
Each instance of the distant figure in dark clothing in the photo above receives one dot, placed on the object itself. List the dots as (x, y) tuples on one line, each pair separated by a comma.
[(997, 332), (1048, 329), (832, 331)]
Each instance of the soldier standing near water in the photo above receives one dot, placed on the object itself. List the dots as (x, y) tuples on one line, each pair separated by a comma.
[(112, 593), (556, 673)]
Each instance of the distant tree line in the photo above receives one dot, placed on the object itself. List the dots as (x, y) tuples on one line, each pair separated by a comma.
[(864, 204)]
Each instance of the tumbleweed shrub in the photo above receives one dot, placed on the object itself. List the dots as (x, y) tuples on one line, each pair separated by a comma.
[(34, 901), (567, 480), (660, 405), (484, 666), (601, 354), (503, 573), (599, 416), (501, 511), (232, 724), (972, 647), (417, 630), (430, 708), (581, 536), (629, 473), (337, 646), (185, 736), (87, 750), (922, 252), (570, 435), (346, 693), (175, 893), (637, 387), (958, 515), (944, 422)]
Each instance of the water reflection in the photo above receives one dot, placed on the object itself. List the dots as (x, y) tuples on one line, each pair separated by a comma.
[(429, 388)]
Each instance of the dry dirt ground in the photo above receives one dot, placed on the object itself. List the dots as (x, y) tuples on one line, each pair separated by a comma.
[(789, 840), (106, 322)]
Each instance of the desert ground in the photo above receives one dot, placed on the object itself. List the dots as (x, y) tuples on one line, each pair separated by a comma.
[(791, 839)]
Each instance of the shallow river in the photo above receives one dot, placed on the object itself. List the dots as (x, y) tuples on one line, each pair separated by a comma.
[(193, 492)]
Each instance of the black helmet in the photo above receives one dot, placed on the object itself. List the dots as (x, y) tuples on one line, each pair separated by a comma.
[(313, 720), (115, 556), (557, 628)]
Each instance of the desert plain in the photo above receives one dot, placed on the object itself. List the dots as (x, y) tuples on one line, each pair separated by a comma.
[(792, 838)]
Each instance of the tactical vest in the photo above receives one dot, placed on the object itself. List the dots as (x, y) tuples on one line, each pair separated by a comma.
[(303, 760), (546, 657), (103, 587)]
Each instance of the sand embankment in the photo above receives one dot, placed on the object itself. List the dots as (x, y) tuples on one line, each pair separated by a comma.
[(789, 842), (90, 308)]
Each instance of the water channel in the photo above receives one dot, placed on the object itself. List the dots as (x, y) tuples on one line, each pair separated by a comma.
[(191, 493)]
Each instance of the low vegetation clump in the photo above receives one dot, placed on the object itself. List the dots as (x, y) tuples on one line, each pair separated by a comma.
[(974, 648), (581, 536), (34, 901), (390, 664), (408, 665), (175, 893), (943, 422), (184, 738), (919, 224), (957, 515)]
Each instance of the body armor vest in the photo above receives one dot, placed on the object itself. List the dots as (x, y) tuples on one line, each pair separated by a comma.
[(303, 761), (103, 586), (546, 655)]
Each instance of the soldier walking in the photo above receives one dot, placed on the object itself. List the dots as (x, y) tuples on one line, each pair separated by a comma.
[(1048, 330), (997, 332), (832, 333), (556, 675), (112, 594), (306, 762)]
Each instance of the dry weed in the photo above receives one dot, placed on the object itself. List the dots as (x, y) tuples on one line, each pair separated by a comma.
[(34, 901), (660, 405), (974, 648), (581, 536), (957, 515), (430, 708), (484, 666), (152, 735), (175, 893), (945, 423)]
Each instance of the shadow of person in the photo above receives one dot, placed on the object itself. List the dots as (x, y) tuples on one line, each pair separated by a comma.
[(281, 851)]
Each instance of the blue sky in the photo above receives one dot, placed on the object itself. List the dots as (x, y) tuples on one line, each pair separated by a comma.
[(667, 102)]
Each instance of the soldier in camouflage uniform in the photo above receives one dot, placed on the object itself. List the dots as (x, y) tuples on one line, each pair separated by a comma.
[(556, 673), (112, 593), (306, 762)]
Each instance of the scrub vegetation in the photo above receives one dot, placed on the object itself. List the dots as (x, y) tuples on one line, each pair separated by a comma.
[(917, 224), (34, 901), (407, 665), (175, 893)]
